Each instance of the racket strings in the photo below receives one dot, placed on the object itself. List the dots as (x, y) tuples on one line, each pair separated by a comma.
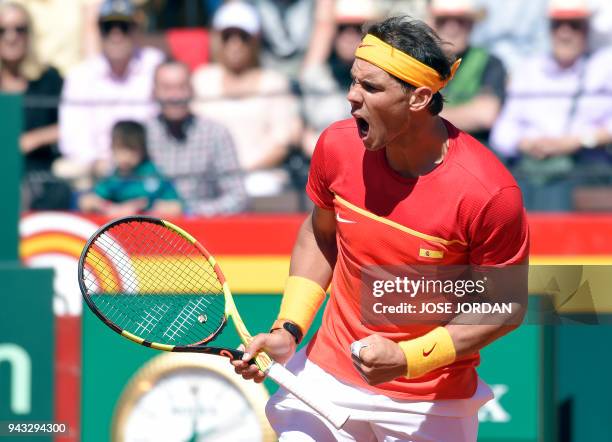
[(187, 266), (177, 327), (149, 280)]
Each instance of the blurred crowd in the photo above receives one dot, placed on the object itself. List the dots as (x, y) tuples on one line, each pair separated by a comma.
[(211, 107)]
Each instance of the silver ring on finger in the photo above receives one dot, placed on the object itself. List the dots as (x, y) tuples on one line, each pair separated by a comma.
[(356, 348)]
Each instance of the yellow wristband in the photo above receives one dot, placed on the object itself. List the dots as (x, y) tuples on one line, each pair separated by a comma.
[(428, 352), (301, 300)]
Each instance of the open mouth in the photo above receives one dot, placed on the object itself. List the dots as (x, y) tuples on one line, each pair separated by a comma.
[(363, 127)]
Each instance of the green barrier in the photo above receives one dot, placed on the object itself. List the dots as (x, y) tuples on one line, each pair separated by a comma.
[(10, 172), (584, 359), (26, 346), (26, 312), (514, 366), (519, 369)]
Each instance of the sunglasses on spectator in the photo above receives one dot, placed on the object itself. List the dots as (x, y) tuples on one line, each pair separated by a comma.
[(462, 21), (125, 27), (19, 30), (575, 25), (243, 35)]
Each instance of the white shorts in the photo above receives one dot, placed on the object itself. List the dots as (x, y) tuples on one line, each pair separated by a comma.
[(377, 417)]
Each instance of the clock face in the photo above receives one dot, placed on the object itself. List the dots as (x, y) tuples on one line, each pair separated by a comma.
[(189, 404)]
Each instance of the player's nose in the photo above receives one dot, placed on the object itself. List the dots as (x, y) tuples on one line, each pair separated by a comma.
[(354, 97)]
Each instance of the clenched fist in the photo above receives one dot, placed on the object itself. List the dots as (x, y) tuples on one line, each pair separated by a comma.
[(380, 360)]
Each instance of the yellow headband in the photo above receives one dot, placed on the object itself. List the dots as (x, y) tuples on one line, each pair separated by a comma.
[(401, 65)]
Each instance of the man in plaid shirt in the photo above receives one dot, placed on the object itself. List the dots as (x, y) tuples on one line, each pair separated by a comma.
[(197, 154)]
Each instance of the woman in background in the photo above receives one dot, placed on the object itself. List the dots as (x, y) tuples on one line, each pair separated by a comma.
[(21, 73)]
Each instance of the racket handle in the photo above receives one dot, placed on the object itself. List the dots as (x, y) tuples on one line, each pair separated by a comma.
[(337, 416), (229, 353)]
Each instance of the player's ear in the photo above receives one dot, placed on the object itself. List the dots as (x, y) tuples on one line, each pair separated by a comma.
[(420, 98)]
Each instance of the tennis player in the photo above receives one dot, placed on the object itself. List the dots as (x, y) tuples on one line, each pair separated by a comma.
[(395, 184)]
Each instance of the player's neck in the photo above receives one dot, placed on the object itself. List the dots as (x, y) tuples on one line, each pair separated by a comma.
[(420, 149)]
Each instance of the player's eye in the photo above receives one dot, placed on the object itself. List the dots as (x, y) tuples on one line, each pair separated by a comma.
[(369, 87)]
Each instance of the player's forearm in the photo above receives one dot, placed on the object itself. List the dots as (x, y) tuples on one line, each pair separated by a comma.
[(469, 339), (314, 253), (312, 262), (472, 331)]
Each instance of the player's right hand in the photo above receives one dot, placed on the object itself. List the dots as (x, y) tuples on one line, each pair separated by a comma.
[(279, 345)]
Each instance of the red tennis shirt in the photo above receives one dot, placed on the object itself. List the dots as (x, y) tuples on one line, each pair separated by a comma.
[(468, 210)]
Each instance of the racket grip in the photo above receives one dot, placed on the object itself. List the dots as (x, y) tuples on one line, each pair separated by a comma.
[(336, 415)]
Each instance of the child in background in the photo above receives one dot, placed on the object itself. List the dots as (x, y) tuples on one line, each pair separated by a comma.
[(135, 186)]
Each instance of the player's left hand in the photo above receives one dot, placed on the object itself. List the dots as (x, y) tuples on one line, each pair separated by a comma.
[(380, 360)]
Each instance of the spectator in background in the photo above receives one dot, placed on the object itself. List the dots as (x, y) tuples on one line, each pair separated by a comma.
[(135, 185), (558, 112), (325, 85), (113, 86), (254, 103), (169, 14), (474, 96), (601, 24), (414, 8), (295, 33), (512, 30), (21, 72), (64, 31), (196, 153)]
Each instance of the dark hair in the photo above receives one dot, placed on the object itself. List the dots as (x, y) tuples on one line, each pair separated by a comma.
[(419, 41), (130, 135)]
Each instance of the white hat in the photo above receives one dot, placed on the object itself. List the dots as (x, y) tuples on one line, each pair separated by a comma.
[(454, 7), (357, 11), (568, 9), (237, 14)]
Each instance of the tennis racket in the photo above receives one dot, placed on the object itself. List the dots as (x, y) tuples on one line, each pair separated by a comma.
[(155, 284)]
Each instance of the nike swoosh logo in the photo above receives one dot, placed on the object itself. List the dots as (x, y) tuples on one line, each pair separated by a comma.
[(427, 353), (365, 46), (345, 221)]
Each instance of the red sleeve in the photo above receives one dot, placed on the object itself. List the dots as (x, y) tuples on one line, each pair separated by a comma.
[(318, 183), (500, 233)]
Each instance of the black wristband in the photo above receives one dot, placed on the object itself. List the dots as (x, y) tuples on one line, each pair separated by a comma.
[(293, 329)]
